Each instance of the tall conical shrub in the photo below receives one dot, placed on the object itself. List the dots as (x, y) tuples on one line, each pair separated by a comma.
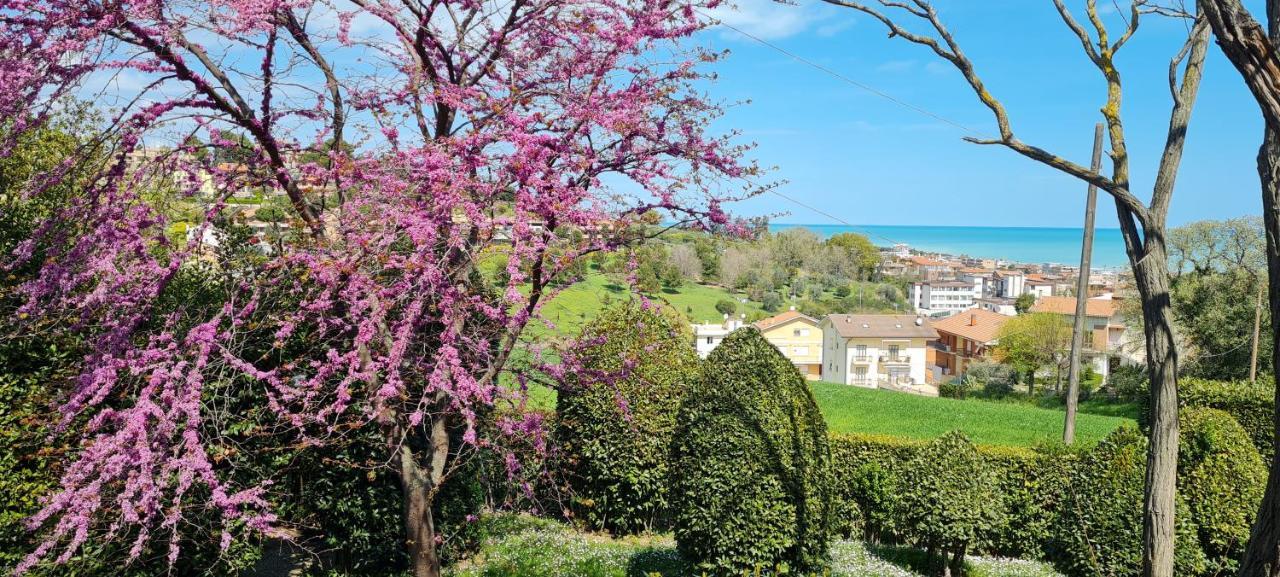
[(751, 478)]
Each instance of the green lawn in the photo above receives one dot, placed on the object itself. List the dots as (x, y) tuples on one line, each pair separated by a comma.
[(851, 409), (580, 302)]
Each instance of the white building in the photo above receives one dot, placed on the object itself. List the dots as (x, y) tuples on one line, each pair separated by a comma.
[(875, 350), (997, 305), (708, 336), (1010, 284), (942, 298)]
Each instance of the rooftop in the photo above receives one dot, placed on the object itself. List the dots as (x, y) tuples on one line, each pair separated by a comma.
[(1067, 306), (979, 325), (782, 319), (881, 326)]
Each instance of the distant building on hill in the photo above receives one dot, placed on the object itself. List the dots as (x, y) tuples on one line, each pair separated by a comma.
[(999, 305), (708, 336), (942, 298), (877, 351), (798, 337)]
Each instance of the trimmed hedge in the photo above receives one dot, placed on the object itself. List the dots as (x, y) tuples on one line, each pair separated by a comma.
[(948, 499), (1252, 405), (1222, 477), (617, 416), (1099, 526), (751, 479), (1078, 507)]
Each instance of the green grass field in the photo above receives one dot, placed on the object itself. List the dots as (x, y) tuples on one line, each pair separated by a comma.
[(857, 410), (581, 302), (849, 409)]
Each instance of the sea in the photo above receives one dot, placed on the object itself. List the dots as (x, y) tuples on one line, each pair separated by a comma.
[(1010, 243)]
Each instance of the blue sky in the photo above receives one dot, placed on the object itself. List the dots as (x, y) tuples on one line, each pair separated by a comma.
[(870, 161)]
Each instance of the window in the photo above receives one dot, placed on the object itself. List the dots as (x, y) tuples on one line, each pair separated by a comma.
[(861, 353), (893, 352), (709, 340)]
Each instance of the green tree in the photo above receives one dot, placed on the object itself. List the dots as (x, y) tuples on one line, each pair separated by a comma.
[(726, 307), (1022, 305), (858, 251), (617, 416), (1032, 342)]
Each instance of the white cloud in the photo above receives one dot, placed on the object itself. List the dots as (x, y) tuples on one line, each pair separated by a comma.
[(896, 66), (769, 19)]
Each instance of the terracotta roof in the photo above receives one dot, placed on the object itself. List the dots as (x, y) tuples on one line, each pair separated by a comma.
[(881, 326), (1067, 306), (926, 261), (783, 318), (979, 325)]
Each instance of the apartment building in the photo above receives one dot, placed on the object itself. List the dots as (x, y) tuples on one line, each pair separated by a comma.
[(876, 350)]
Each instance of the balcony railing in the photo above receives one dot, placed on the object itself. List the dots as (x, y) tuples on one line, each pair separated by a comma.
[(861, 358), (898, 358)]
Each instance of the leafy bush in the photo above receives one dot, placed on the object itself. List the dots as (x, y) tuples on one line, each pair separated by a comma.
[(1129, 383), (1222, 477), (1099, 527), (996, 380), (955, 389), (1252, 405), (772, 302), (726, 306), (617, 416), (751, 479), (948, 499)]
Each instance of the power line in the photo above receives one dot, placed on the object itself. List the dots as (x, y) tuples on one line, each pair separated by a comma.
[(842, 77)]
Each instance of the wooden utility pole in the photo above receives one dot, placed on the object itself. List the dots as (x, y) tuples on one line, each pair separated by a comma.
[(1082, 294), (1257, 328)]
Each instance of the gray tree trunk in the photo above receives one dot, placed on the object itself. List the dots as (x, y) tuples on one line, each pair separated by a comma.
[(1262, 556)]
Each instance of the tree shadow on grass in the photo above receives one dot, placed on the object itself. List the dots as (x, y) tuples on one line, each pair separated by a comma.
[(907, 558), (614, 288), (665, 562), (670, 291)]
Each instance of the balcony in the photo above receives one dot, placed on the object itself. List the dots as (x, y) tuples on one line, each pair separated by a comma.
[(898, 359), (861, 359)]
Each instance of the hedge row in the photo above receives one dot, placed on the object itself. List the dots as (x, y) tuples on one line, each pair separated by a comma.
[(1079, 508)]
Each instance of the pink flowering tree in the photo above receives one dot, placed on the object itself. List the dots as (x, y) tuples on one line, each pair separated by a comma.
[(440, 137)]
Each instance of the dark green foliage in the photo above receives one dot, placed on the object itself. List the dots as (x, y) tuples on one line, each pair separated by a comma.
[(842, 291), (1099, 527), (1222, 477), (947, 499), (772, 302), (1129, 383), (1215, 313), (615, 434), (996, 380), (956, 389), (1024, 303), (726, 306), (1252, 405), (751, 478)]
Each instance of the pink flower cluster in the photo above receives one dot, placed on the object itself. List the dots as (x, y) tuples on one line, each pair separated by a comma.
[(527, 134)]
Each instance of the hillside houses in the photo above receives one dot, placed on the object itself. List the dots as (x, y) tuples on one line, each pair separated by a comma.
[(1106, 337)]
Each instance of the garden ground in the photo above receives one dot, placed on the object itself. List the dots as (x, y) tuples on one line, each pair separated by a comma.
[(522, 546), (849, 409)]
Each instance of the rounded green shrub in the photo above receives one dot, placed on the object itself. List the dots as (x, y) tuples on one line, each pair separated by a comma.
[(617, 416), (1252, 405), (751, 478), (948, 499), (1222, 477), (1099, 525)]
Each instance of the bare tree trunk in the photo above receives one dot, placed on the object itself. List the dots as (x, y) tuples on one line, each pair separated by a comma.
[(1262, 556), (1151, 273), (419, 523)]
